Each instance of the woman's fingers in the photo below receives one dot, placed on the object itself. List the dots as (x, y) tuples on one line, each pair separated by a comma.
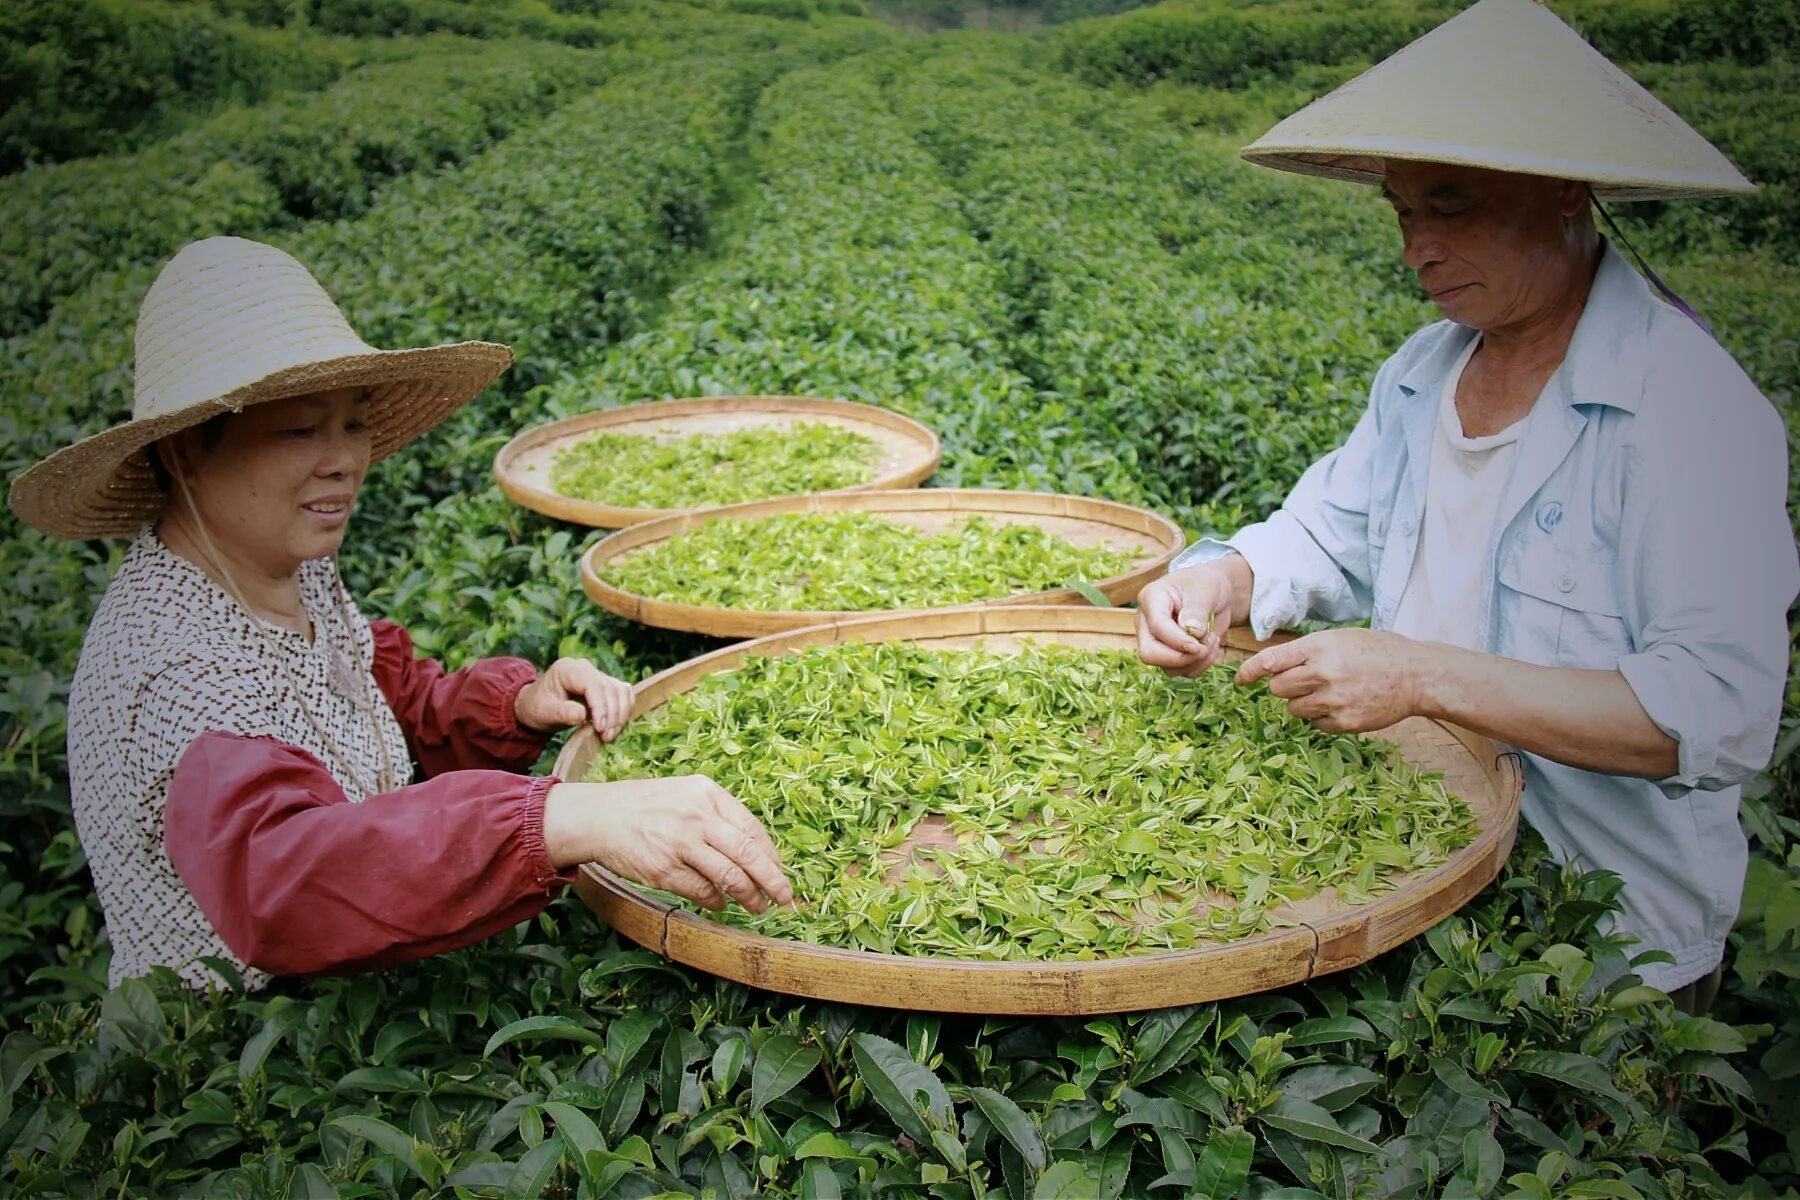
[(742, 839), (620, 698), (595, 697), (725, 875), (684, 880)]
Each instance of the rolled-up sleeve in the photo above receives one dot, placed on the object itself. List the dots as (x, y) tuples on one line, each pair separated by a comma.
[(1311, 558), (1710, 565)]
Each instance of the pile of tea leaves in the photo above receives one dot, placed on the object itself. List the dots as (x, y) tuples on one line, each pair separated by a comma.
[(634, 470), (1092, 799), (856, 561)]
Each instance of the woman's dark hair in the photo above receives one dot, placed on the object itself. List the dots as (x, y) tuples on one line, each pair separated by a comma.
[(212, 432)]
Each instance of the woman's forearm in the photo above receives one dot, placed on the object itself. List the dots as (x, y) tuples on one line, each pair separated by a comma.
[(1582, 718)]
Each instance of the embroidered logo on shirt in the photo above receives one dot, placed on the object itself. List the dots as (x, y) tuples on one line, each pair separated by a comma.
[(1549, 515)]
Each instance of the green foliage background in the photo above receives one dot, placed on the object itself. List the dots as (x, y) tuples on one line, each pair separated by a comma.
[(1043, 246)]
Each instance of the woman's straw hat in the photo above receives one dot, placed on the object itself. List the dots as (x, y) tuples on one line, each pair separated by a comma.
[(230, 323), (1503, 85)]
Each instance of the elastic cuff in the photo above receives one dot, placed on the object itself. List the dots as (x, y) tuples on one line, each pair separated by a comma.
[(505, 718), (531, 835)]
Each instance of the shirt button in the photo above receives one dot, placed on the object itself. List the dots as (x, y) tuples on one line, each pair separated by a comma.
[(1406, 527), (1565, 583)]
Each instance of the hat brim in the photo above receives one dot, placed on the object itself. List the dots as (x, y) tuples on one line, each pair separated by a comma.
[(104, 486), (1365, 164)]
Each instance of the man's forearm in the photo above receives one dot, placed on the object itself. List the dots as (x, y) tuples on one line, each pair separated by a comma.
[(1582, 718)]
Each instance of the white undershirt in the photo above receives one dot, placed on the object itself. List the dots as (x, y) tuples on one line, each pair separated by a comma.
[(1442, 601)]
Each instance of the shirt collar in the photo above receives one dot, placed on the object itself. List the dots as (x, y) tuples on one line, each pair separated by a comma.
[(1605, 360)]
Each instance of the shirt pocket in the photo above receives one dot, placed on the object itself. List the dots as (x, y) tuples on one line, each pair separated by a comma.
[(1563, 609)]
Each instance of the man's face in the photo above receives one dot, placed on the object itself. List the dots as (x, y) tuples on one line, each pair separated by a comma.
[(1491, 249)]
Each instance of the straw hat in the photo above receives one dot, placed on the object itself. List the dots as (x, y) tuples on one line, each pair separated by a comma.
[(1503, 85), (229, 323)]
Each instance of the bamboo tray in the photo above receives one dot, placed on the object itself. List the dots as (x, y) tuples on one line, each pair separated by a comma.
[(1328, 936), (1078, 519), (909, 451)]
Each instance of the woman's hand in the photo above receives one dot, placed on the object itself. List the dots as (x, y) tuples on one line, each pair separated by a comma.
[(572, 691), (685, 835)]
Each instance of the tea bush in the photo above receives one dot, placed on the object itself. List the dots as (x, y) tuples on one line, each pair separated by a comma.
[(84, 77), (248, 171), (1080, 293), (1221, 43)]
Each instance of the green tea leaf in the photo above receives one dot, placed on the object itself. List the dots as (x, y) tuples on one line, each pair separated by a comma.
[(781, 1063), (1309, 1122), (895, 1080), (554, 1027), (702, 469), (1017, 1128), (1224, 1166), (1066, 1180)]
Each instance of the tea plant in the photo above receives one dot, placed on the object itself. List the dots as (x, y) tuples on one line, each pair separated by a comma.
[(855, 561), (701, 469)]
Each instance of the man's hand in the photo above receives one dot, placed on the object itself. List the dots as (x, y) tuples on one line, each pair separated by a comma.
[(1344, 680), (685, 835), (572, 691), (1182, 619)]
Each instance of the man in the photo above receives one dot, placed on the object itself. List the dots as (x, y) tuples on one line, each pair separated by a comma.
[(1563, 511)]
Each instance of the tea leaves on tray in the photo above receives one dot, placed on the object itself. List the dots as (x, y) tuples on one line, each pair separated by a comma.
[(854, 561), (689, 471), (1087, 799)]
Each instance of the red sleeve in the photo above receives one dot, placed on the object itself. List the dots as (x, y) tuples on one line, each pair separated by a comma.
[(297, 880), (460, 721)]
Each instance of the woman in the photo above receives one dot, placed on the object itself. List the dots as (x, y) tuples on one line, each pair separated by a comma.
[(242, 740)]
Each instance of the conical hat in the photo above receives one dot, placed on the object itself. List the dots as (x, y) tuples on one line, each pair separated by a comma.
[(1507, 86), (230, 323)]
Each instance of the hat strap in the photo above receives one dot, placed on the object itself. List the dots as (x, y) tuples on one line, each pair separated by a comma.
[(385, 781), (1656, 281)]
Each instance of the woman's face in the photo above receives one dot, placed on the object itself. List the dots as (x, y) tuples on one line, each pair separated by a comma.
[(277, 487)]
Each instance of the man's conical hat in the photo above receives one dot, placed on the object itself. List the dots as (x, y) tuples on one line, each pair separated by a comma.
[(1503, 85)]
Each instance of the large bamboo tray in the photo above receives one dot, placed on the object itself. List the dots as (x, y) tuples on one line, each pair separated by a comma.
[(1328, 936), (909, 451), (1078, 519)]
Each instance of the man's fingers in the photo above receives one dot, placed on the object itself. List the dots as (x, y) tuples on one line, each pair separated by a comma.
[(1296, 681), (1157, 612), (1159, 654), (1309, 707), (1271, 660)]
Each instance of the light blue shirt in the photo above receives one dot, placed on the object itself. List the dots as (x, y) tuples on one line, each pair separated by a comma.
[(1643, 529)]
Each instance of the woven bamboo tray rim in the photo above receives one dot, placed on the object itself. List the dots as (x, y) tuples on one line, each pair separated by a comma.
[(1329, 935), (1158, 541), (910, 451)]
